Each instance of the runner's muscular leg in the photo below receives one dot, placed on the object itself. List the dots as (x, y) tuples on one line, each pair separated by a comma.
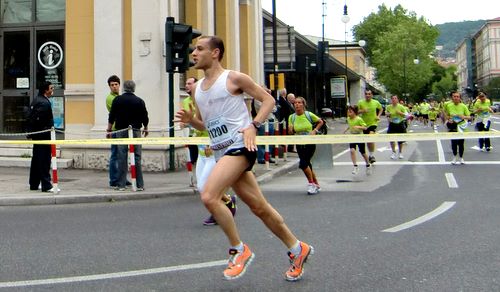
[(249, 192), (224, 174)]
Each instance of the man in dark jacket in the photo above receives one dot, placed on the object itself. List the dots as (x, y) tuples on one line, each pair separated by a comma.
[(40, 118), (128, 109)]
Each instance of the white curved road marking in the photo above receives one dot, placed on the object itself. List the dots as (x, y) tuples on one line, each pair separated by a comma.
[(436, 212), (96, 277)]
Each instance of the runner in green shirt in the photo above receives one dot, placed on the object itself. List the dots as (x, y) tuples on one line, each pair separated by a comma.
[(356, 126), (370, 110), (396, 113), (457, 114), (482, 109)]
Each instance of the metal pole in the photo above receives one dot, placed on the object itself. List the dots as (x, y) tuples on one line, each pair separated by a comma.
[(171, 118), (275, 52), (404, 74), (323, 55), (307, 79)]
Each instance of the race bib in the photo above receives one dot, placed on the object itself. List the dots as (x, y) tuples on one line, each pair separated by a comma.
[(219, 133)]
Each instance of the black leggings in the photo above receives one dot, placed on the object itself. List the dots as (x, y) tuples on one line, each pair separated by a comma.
[(458, 145), (481, 127), (305, 153)]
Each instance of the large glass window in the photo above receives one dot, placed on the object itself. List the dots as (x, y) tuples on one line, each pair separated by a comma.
[(50, 10), (16, 56), (16, 11), (21, 11)]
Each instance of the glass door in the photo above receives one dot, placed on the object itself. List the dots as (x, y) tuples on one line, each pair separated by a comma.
[(17, 84)]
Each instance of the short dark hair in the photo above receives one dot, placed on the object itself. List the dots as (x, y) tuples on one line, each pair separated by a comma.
[(194, 78), (44, 87), (216, 42), (113, 78)]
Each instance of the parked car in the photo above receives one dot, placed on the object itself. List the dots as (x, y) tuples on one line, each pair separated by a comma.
[(496, 106)]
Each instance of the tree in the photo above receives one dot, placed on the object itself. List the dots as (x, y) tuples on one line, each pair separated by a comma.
[(492, 90), (396, 38), (446, 84)]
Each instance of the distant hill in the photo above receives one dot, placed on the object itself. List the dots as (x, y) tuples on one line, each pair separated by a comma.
[(453, 33)]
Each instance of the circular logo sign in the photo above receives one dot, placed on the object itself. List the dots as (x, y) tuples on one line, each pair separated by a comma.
[(50, 55)]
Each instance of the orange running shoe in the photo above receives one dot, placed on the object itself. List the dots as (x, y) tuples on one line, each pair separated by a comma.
[(296, 269), (238, 263)]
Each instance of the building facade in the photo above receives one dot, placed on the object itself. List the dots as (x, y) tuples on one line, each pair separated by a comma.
[(478, 58), (78, 44)]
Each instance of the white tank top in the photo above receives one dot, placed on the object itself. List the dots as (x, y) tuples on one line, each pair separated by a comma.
[(223, 114)]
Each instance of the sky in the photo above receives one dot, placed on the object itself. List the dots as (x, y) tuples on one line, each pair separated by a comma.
[(306, 15)]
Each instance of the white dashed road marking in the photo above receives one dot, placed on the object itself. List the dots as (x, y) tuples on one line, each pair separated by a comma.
[(452, 182), (422, 219)]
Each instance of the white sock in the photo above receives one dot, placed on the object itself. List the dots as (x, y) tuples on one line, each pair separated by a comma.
[(296, 248), (238, 247)]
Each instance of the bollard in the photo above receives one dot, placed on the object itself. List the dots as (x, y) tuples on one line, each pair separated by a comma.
[(266, 155), (189, 167), (284, 132), (276, 147), (131, 157), (55, 179)]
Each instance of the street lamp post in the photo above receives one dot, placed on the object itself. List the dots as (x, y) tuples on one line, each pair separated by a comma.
[(416, 61), (345, 19)]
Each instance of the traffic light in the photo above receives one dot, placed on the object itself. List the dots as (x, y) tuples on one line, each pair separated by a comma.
[(178, 38), (320, 55)]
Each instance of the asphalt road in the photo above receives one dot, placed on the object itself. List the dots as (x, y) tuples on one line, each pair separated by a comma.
[(419, 224)]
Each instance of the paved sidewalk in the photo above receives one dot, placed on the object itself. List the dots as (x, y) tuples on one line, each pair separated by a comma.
[(89, 186)]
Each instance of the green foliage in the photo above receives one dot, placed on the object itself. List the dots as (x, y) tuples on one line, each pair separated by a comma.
[(492, 90), (448, 83), (395, 38)]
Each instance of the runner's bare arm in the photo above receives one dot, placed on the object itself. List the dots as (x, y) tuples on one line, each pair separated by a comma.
[(191, 116)]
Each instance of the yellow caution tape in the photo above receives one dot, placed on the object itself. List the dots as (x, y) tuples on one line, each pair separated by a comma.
[(270, 140)]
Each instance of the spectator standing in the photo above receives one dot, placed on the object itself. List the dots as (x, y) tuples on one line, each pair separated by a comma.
[(261, 149), (128, 109), (114, 87), (41, 118), (303, 122), (285, 108)]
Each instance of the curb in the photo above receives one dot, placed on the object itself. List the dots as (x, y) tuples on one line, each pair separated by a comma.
[(117, 196)]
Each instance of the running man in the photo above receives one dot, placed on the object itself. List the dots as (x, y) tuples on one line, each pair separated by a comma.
[(370, 110), (221, 109)]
